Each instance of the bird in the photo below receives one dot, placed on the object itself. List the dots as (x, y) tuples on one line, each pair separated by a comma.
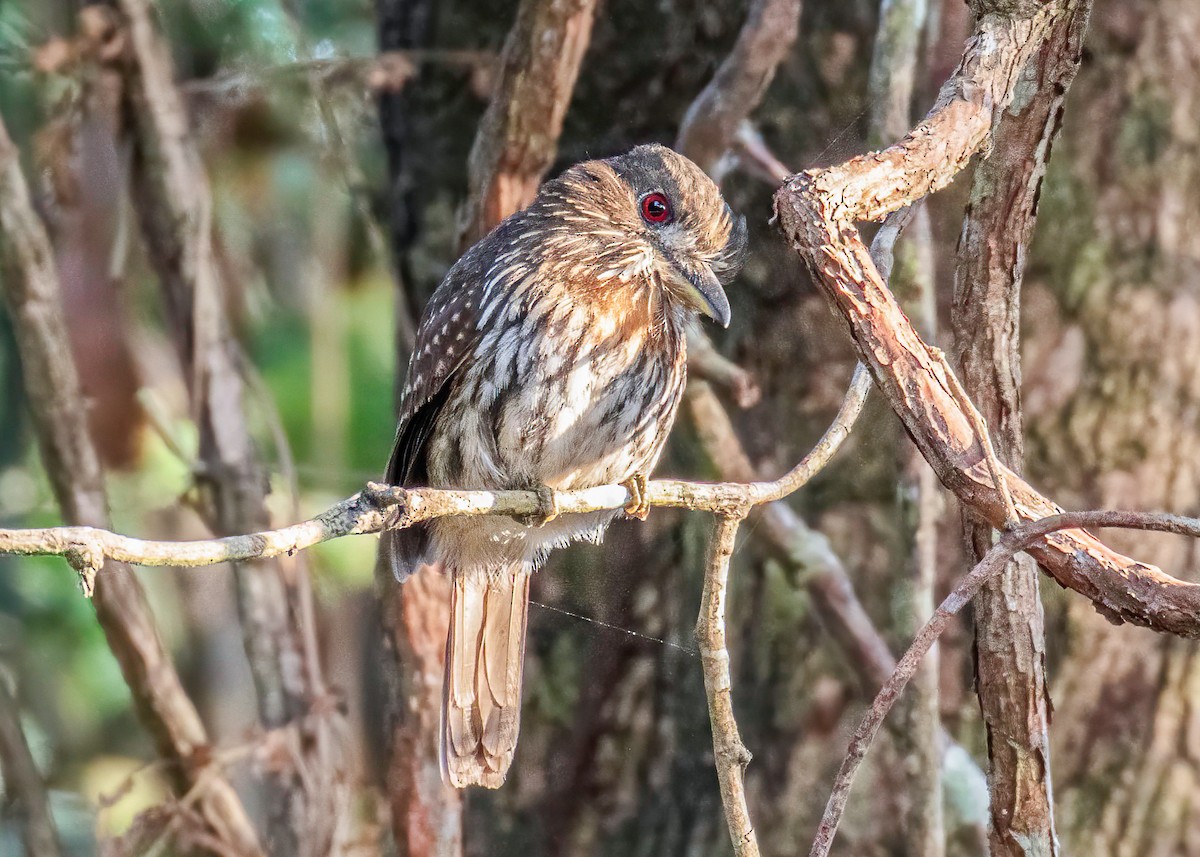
[(552, 356)]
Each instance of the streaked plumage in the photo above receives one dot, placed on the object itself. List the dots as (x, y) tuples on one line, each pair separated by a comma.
[(552, 354)]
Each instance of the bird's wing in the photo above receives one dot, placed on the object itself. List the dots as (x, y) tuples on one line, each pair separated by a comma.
[(446, 340)]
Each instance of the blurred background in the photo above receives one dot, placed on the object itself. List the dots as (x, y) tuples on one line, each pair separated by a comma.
[(616, 754)]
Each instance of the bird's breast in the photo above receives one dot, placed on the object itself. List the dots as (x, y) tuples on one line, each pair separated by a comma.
[(567, 394)]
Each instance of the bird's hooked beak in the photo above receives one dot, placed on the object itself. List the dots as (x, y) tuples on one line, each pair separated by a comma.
[(699, 287)]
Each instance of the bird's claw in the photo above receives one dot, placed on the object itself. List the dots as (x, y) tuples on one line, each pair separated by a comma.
[(547, 509), (639, 501), (547, 505)]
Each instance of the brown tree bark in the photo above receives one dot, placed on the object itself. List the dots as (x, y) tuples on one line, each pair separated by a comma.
[(1112, 397), (518, 135), (426, 811), (1010, 645)]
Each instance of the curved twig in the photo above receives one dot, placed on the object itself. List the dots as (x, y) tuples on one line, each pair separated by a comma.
[(1021, 537), (835, 435)]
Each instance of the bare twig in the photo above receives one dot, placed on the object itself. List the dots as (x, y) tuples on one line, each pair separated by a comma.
[(827, 446), (817, 211), (381, 506), (756, 158), (369, 511), (518, 135), (730, 753), (1019, 538), (31, 289), (23, 782)]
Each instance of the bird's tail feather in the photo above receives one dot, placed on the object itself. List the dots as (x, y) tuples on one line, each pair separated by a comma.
[(405, 550), (485, 656)]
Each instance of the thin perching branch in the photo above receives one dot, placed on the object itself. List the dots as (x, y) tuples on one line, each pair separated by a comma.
[(383, 506)]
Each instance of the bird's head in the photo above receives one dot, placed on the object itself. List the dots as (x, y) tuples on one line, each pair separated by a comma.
[(659, 213)]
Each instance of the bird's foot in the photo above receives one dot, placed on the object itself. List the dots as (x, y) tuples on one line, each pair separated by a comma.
[(639, 501), (547, 509)]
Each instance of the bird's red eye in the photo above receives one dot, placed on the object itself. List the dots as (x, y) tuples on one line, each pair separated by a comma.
[(655, 208)]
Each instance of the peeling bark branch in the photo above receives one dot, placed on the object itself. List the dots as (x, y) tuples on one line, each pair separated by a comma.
[(518, 135), (730, 753), (817, 211), (1019, 538), (31, 288)]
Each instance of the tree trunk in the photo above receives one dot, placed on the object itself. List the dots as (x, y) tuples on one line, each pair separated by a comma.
[(1112, 396), (1010, 643)]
